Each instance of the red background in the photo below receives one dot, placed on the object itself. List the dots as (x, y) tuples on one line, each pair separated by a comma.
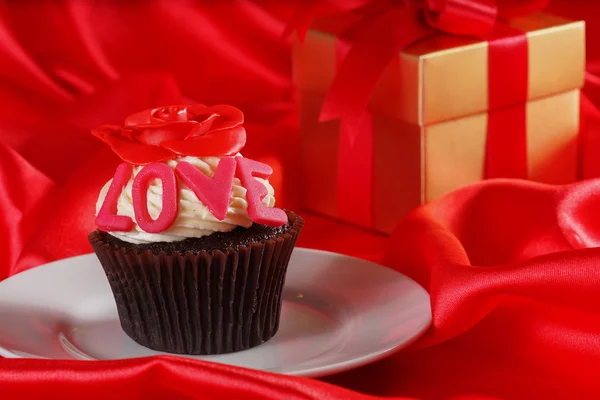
[(514, 285)]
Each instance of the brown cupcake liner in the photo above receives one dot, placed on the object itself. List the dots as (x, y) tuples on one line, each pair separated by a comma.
[(206, 303)]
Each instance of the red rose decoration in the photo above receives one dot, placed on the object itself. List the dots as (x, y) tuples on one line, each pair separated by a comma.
[(169, 132)]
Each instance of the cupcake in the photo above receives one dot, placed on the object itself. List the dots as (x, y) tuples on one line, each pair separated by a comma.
[(188, 234)]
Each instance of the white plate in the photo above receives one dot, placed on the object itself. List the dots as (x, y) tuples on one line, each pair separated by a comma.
[(338, 313)]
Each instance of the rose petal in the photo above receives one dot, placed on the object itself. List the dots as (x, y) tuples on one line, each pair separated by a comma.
[(137, 153), (203, 127), (170, 113), (154, 135), (220, 143), (197, 109), (225, 110), (228, 116), (147, 117), (139, 118)]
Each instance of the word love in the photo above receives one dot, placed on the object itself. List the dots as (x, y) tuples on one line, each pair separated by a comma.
[(213, 192)]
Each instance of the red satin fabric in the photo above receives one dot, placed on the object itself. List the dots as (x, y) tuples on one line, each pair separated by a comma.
[(512, 267)]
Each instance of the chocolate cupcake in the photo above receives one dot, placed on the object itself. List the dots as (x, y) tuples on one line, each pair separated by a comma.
[(193, 248)]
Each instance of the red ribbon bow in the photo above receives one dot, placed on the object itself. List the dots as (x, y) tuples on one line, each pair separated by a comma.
[(398, 24), (389, 26), (476, 17), (457, 17)]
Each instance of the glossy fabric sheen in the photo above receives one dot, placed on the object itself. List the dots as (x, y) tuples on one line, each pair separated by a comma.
[(512, 266)]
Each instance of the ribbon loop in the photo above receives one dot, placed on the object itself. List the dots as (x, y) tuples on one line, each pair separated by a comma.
[(462, 17)]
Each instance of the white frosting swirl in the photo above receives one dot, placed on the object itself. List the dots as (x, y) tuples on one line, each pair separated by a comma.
[(193, 217)]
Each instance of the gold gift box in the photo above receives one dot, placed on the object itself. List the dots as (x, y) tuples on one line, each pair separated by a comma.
[(430, 112)]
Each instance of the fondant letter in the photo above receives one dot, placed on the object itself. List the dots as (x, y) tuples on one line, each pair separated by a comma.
[(139, 195), (107, 218), (247, 170), (213, 193)]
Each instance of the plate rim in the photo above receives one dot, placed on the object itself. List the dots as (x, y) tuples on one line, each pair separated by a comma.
[(312, 372)]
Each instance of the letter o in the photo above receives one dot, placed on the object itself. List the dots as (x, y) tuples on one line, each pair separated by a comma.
[(170, 201)]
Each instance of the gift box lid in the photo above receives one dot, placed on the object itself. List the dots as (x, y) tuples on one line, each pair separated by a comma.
[(446, 77)]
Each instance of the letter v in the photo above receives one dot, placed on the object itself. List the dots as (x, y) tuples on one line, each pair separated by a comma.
[(213, 193)]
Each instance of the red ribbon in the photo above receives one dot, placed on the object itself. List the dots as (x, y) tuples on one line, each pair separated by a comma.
[(355, 160), (392, 25), (461, 17), (506, 144)]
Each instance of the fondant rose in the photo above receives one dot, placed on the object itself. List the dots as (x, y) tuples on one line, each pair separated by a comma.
[(175, 131)]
